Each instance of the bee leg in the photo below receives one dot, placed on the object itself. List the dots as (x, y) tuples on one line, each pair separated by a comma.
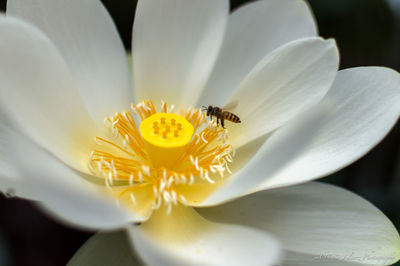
[(217, 121), (222, 123)]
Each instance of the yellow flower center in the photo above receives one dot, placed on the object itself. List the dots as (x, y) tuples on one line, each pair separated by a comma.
[(160, 162), (166, 136)]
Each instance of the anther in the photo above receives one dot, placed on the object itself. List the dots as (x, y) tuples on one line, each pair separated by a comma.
[(167, 128), (162, 120), (179, 126), (164, 134), (176, 133), (173, 122)]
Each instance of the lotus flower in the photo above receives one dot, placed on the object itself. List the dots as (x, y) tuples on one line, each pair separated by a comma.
[(97, 152)]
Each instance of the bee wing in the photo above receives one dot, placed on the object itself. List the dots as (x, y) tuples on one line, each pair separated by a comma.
[(231, 105)]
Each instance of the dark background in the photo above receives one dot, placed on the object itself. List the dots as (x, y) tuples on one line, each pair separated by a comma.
[(367, 33)]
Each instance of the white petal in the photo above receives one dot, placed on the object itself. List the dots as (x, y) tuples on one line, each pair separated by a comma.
[(366, 103), (175, 44), (277, 151), (105, 249), (185, 238), (87, 38), (58, 189), (288, 81), (11, 185), (9, 180), (38, 93), (317, 220), (253, 31)]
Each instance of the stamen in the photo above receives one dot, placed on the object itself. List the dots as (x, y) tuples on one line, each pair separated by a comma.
[(183, 199), (171, 109), (202, 137), (169, 151), (164, 107), (174, 197), (183, 178), (170, 181), (207, 177), (140, 175), (157, 203), (169, 209), (133, 199)]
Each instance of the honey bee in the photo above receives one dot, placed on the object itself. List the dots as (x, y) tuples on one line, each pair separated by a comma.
[(222, 114)]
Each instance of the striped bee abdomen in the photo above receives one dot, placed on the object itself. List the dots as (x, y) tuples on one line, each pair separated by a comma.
[(230, 117)]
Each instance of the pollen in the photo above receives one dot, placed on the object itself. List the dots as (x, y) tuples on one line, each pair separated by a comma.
[(167, 150)]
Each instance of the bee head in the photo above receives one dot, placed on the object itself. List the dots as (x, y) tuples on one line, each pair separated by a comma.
[(209, 110)]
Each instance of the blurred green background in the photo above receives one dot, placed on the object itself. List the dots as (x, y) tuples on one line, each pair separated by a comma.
[(367, 33)]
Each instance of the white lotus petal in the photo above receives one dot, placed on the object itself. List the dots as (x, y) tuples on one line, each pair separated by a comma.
[(105, 249), (185, 238), (58, 189), (85, 35), (80, 207), (316, 220), (253, 31), (6, 170), (175, 44), (11, 186), (9, 180), (288, 81), (366, 103), (39, 94), (277, 151)]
